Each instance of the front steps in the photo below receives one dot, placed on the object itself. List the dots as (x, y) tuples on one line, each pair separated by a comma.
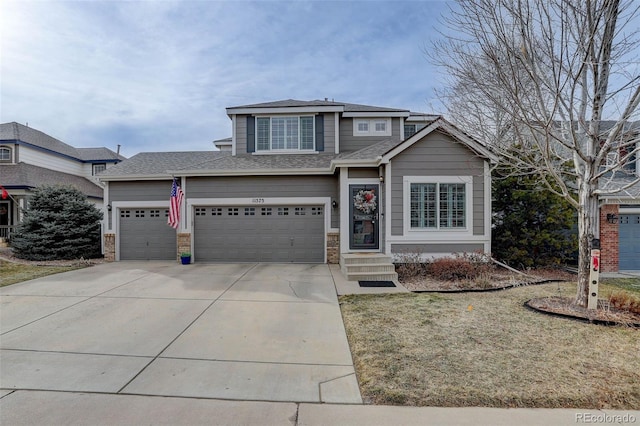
[(367, 267)]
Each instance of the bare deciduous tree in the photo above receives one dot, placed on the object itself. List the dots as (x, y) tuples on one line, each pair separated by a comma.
[(558, 78)]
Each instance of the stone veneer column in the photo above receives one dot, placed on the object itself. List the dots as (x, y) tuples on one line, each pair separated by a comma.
[(333, 247), (609, 238), (184, 245), (109, 247)]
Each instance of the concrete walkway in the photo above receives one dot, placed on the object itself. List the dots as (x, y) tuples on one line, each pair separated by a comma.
[(159, 343)]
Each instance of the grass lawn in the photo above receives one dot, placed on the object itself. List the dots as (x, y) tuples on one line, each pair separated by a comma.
[(11, 273), (486, 349)]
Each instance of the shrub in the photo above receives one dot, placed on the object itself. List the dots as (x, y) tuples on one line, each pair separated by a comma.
[(59, 224), (466, 266), (410, 264), (625, 302)]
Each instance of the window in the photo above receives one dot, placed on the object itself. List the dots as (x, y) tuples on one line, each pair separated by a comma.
[(285, 133), (249, 211), (5, 154), (371, 127), (438, 205), (409, 130), (98, 168), (381, 126)]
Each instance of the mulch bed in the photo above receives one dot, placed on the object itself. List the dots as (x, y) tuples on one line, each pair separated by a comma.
[(7, 255), (502, 279), (603, 315), (498, 279)]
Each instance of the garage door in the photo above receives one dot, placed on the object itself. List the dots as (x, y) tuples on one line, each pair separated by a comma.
[(259, 234), (145, 235), (629, 242)]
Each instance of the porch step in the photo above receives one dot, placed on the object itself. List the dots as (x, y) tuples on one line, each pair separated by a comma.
[(367, 267), (363, 258)]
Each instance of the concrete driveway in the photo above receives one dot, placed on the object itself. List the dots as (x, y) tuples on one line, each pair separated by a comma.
[(262, 332)]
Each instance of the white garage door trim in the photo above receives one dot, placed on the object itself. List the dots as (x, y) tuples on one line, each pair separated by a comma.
[(258, 202), (124, 205)]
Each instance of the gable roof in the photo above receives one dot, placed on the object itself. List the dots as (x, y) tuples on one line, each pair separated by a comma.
[(23, 175), (16, 132), (442, 125)]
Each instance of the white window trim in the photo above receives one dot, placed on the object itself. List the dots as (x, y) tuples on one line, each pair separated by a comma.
[(12, 150), (284, 150), (406, 200), (371, 123)]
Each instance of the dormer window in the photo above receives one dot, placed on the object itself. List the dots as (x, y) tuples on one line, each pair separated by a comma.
[(6, 154), (285, 133), (372, 127), (98, 168)]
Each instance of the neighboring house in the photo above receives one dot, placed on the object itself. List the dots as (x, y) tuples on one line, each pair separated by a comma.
[(620, 209), (31, 158), (308, 181)]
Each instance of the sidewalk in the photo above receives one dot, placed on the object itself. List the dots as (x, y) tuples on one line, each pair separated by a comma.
[(70, 408)]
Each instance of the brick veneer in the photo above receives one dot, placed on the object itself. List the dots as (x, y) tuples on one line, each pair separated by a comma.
[(109, 247), (184, 245), (333, 247), (609, 237)]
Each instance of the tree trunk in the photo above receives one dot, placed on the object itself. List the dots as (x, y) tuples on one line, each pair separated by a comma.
[(587, 230)]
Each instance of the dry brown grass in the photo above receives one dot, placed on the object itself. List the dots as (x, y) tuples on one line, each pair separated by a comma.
[(11, 273), (486, 349)]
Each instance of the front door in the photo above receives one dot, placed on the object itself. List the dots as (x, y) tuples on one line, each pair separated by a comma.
[(364, 216)]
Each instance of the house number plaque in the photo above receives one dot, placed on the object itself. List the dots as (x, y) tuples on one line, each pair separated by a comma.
[(257, 200)]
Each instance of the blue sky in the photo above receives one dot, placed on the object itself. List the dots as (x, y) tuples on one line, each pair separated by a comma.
[(157, 75)]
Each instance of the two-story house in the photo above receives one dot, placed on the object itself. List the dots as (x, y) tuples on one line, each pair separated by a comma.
[(31, 158), (308, 181)]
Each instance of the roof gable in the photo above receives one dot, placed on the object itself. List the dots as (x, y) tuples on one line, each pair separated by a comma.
[(442, 125)]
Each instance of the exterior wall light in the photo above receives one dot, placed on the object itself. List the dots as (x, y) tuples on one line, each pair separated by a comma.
[(612, 218)]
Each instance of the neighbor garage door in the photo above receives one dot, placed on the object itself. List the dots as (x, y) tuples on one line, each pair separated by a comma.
[(259, 234), (145, 235), (629, 242)]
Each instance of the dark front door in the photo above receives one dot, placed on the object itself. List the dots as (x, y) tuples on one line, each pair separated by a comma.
[(364, 205)]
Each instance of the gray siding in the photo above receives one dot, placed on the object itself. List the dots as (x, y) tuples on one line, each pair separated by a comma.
[(362, 173), (436, 248), (241, 134), (266, 186), (437, 154), (141, 190), (329, 133), (348, 142)]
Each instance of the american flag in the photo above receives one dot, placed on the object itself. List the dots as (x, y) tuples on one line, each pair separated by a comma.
[(174, 205)]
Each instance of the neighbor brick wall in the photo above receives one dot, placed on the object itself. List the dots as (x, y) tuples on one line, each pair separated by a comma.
[(184, 245), (333, 247), (609, 234), (109, 247)]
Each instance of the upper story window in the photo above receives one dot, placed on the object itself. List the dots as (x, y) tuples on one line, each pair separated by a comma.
[(409, 130), (372, 127), (285, 133), (6, 154), (98, 168)]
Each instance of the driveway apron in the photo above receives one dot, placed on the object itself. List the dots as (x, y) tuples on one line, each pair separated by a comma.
[(263, 332)]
